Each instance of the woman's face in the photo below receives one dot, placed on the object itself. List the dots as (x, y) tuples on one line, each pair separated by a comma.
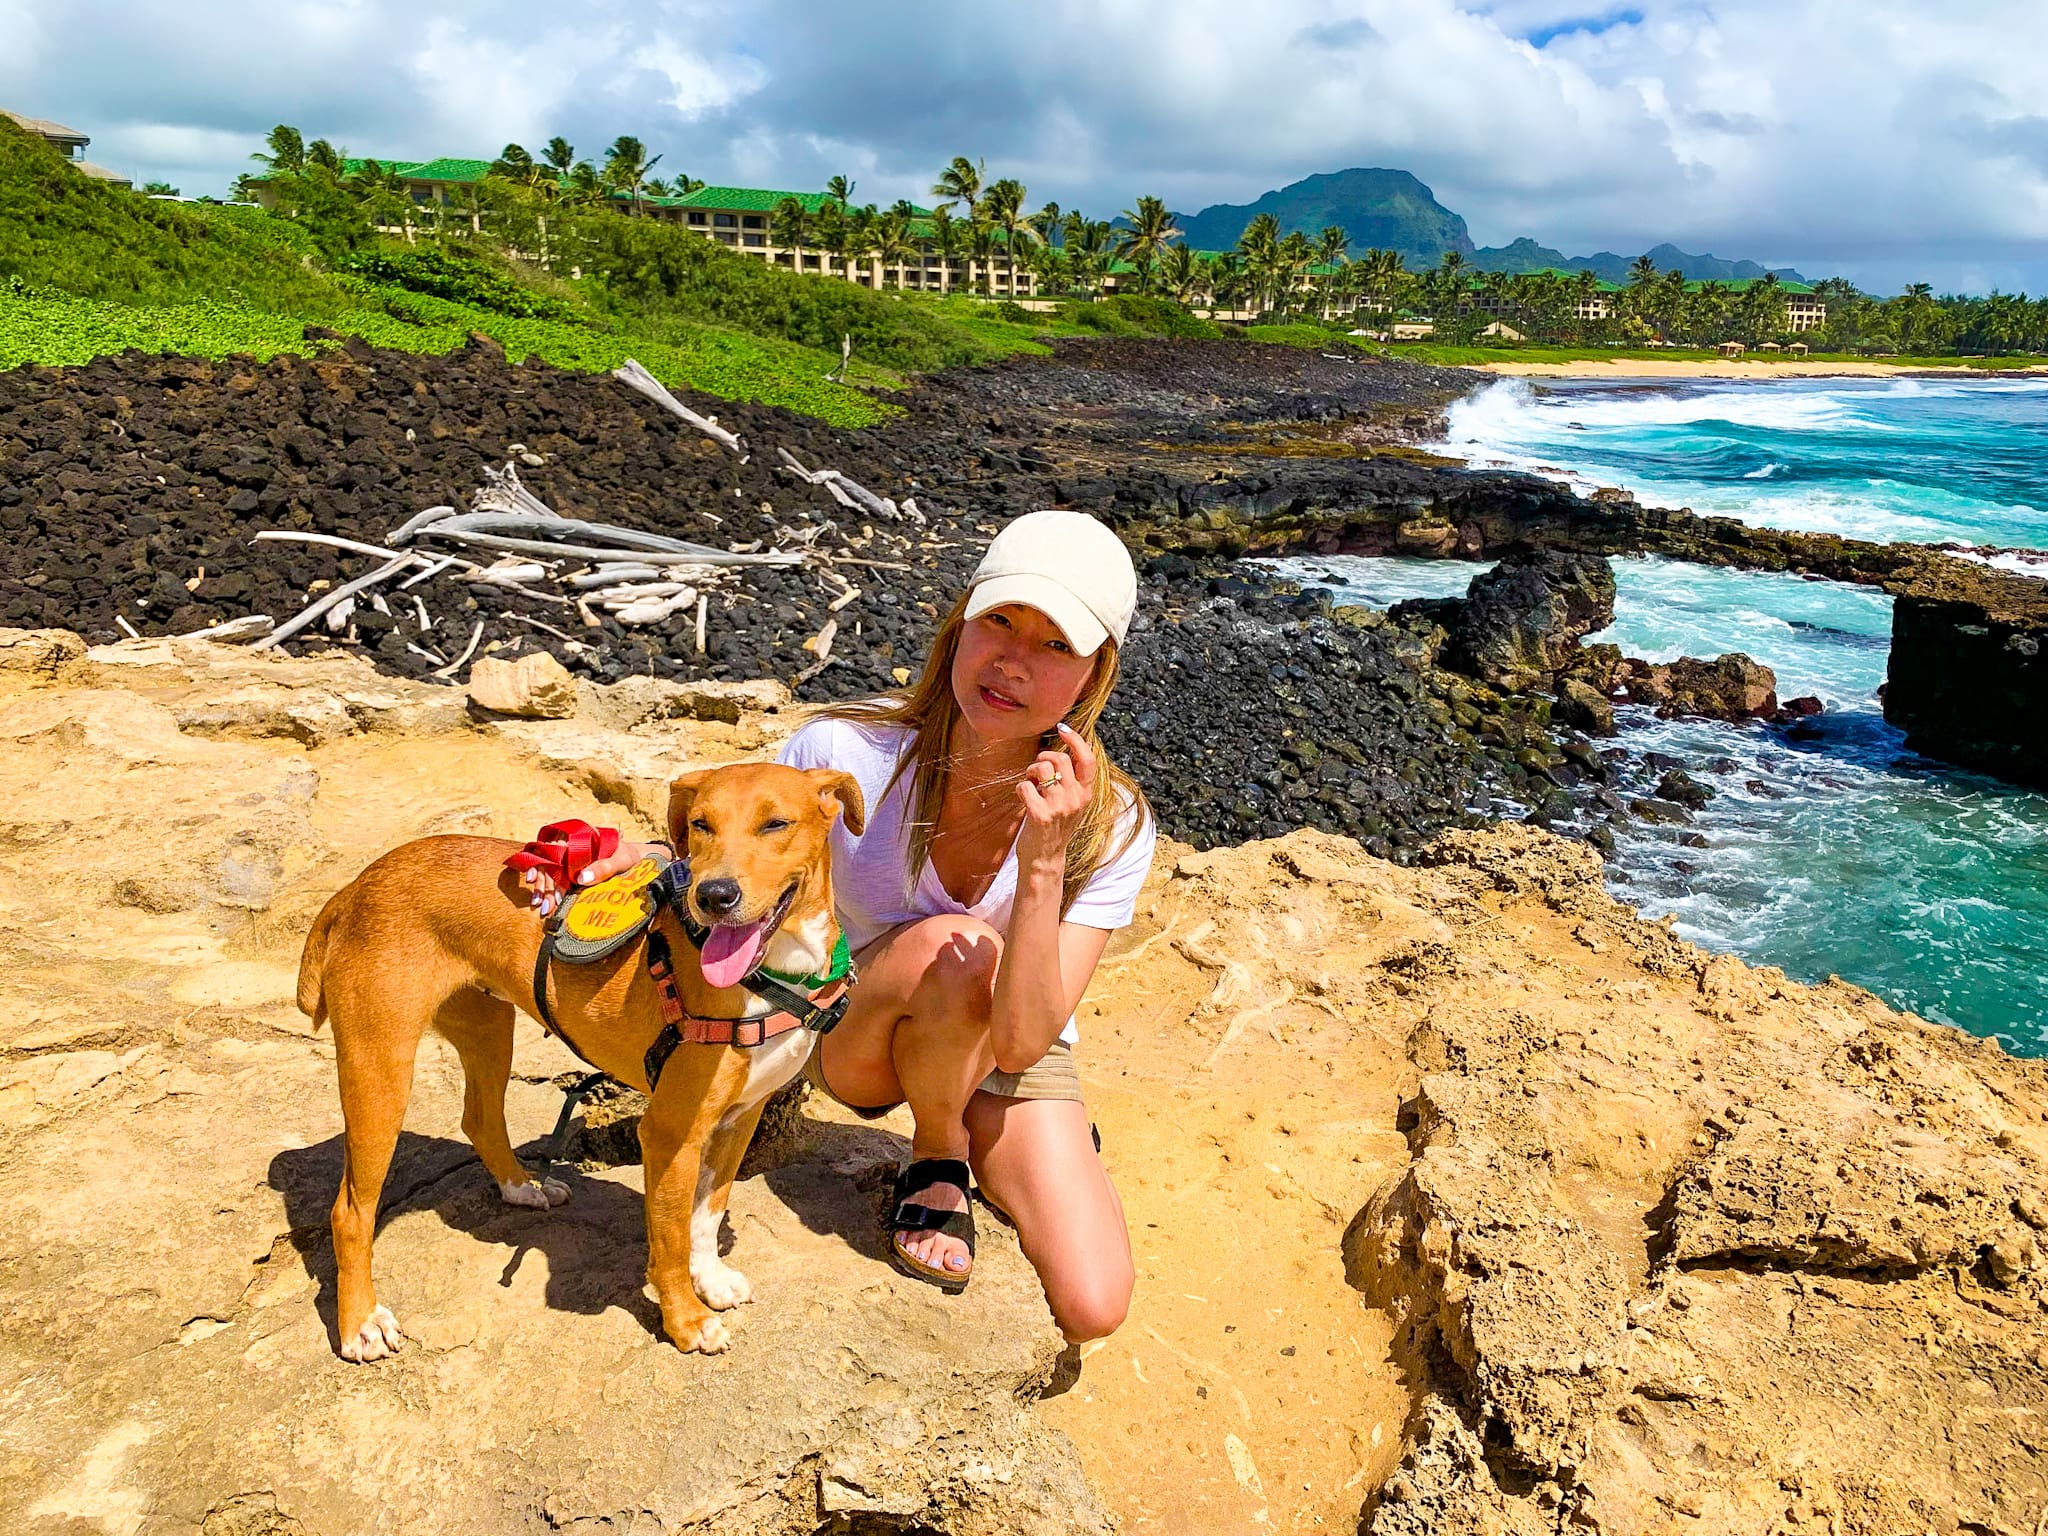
[(1014, 673)]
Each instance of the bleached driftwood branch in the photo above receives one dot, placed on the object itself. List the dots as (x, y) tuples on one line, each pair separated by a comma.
[(469, 650), (502, 492), (253, 626), (631, 373), (327, 600), (493, 530)]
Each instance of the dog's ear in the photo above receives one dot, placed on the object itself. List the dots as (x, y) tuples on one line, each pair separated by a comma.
[(844, 788), (682, 794)]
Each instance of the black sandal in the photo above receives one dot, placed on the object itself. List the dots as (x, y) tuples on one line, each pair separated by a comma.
[(910, 1217)]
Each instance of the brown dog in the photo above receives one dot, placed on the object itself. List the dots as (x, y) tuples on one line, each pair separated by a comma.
[(439, 933)]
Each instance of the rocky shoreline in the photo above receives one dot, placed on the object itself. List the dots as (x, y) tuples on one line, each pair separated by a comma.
[(130, 488)]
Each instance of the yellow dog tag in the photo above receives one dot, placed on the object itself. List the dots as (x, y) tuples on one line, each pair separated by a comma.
[(610, 910)]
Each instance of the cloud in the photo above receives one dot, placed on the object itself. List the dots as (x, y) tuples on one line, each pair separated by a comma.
[(1337, 35), (1761, 128)]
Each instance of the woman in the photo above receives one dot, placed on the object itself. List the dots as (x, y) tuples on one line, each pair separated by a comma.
[(1002, 849)]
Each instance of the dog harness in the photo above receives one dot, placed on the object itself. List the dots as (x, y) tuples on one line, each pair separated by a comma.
[(598, 921)]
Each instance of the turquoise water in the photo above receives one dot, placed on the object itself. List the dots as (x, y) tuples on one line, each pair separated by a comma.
[(1831, 849), (1922, 460)]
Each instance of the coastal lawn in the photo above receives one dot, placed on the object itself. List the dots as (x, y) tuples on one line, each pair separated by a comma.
[(1479, 357), (58, 329)]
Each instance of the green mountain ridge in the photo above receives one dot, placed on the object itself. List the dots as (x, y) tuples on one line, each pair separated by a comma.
[(1525, 255), (1393, 210), (1375, 208)]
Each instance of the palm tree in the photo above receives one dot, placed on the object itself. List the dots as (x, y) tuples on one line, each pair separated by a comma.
[(1180, 271), (324, 155), (1331, 245), (1585, 289), (946, 234), (863, 240), (961, 181), (789, 226), (287, 151), (1151, 227), (981, 251), (656, 187), (626, 166), (1002, 204), (559, 157), (585, 187), (893, 245), (1049, 263), (1046, 223), (1642, 271), (1089, 244), (1258, 248), (829, 234), (1385, 273), (840, 190)]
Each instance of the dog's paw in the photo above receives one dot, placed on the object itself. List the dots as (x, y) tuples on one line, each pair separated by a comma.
[(535, 1194), (711, 1338), (720, 1286), (378, 1337)]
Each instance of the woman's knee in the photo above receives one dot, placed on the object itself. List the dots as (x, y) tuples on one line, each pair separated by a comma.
[(1095, 1307), (960, 956)]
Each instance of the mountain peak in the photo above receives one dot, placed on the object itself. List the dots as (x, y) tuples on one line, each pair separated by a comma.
[(1372, 205), (1378, 206)]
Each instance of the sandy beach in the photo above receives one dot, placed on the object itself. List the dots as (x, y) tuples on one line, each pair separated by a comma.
[(1717, 368)]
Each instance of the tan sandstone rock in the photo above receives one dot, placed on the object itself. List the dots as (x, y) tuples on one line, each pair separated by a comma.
[(536, 687)]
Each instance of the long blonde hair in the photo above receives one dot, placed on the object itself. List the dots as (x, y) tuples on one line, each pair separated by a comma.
[(932, 714)]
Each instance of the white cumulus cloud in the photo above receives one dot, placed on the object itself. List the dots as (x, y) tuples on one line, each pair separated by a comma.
[(1889, 141)]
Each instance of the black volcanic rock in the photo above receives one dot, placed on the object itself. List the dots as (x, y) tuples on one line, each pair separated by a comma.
[(1522, 621), (1968, 680)]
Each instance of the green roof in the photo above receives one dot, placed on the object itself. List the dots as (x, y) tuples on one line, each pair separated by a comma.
[(755, 200), (1571, 275), (1737, 284), (350, 166), (449, 170)]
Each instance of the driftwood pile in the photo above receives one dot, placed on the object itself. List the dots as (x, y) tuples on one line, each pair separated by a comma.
[(633, 577)]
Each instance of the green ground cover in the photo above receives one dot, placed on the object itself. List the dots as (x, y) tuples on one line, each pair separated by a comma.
[(1465, 357), (54, 328)]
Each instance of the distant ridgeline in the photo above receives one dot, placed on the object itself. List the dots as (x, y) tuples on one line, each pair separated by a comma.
[(1391, 210)]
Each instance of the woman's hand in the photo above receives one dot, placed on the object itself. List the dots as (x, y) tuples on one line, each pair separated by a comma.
[(1056, 790), (547, 895)]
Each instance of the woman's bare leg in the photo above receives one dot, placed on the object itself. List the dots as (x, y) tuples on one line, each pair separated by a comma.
[(918, 1030), (1036, 1159)]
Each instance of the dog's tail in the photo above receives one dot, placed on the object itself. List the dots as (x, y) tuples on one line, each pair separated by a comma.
[(313, 961)]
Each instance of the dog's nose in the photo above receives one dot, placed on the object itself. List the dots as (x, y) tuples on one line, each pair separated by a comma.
[(718, 897)]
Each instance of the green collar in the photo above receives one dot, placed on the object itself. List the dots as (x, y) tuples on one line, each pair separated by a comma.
[(842, 962)]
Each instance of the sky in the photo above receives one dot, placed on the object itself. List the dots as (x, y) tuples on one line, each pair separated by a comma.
[(1888, 141)]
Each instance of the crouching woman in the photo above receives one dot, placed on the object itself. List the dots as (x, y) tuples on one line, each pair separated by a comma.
[(1001, 850)]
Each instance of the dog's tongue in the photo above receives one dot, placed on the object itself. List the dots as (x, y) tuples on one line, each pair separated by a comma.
[(730, 952)]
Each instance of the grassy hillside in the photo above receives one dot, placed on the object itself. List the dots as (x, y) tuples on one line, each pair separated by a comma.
[(87, 269), (63, 231)]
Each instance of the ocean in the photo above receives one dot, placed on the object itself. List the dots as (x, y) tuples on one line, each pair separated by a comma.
[(1833, 849)]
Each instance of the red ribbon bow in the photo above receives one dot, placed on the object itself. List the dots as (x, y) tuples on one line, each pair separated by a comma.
[(565, 849)]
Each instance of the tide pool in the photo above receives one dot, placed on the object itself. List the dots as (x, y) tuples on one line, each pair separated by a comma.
[(1829, 850)]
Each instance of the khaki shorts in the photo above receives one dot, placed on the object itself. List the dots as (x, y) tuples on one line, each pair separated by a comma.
[(1052, 1076)]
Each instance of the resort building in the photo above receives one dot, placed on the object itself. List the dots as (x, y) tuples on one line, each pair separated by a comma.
[(1805, 310), (69, 143), (1596, 302), (743, 219)]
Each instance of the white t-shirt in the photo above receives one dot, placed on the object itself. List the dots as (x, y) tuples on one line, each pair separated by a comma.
[(872, 884)]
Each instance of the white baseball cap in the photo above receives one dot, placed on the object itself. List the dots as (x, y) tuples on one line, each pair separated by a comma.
[(1066, 565)]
